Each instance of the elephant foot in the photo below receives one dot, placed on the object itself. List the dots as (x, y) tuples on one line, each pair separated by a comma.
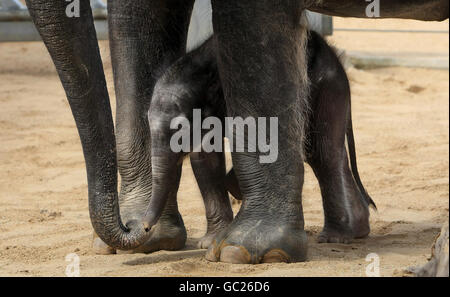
[(255, 242), (206, 241), (215, 227), (334, 236), (359, 227)]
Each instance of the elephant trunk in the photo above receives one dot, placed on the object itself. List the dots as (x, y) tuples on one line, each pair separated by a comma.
[(73, 46), (165, 174), (166, 163)]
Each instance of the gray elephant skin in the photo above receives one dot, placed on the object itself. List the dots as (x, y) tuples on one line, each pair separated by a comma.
[(262, 65), (193, 82)]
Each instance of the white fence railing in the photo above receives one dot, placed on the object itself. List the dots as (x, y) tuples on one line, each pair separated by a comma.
[(201, 23)]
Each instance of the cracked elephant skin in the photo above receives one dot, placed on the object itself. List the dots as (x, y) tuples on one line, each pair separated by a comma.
[(261, 61)]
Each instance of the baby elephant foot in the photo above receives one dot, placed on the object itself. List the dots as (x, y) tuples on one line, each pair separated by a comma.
[(255, 242), (206, 241)]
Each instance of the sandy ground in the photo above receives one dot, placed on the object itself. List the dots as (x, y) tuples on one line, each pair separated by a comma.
[(401, 123)]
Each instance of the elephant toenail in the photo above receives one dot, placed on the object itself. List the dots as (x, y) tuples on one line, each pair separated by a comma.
[(275, 256), (235, 255)]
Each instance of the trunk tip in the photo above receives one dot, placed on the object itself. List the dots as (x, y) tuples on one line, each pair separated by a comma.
[(147, 226)]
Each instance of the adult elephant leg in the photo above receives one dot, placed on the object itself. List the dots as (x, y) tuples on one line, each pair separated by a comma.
[(261, 60), (145, 37), (210, 172), (73, 46)]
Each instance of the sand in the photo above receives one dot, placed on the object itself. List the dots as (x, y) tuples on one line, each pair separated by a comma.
[(402, 130)]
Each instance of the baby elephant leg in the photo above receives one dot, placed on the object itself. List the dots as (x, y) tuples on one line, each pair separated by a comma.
[(210, 172)]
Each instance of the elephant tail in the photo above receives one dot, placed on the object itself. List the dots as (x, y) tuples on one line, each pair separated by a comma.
[(353, 163)]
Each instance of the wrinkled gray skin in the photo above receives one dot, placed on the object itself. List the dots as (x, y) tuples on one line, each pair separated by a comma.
[(263, 72), (192, 82)]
